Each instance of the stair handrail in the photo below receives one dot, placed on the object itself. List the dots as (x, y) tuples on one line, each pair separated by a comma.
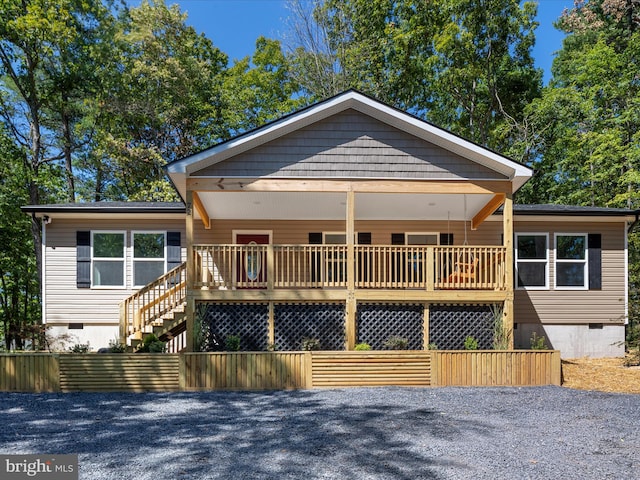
[(155, 299)]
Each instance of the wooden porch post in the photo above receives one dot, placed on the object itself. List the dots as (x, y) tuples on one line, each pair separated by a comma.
[(425, 326), (507, 218), (190, 307), (350, 327)]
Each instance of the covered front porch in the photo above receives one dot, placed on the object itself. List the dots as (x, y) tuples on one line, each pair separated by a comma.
[(419, 244)]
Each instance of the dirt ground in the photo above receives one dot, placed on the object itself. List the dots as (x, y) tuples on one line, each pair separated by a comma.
[(604, 374)]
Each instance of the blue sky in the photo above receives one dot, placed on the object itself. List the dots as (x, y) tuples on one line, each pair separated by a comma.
[(234, 25)]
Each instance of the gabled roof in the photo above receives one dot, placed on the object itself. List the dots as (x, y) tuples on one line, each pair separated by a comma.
[(180, 170)]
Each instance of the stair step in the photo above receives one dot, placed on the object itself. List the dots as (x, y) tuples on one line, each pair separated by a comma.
[(171, 323)]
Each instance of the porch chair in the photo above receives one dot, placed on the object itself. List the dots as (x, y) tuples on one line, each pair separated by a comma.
[(465, 271)]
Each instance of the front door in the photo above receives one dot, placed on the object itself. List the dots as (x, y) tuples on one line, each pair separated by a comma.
[(251, 263)]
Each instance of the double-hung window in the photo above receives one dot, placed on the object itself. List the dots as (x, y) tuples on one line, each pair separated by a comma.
[(532, 260), (149, 257), (107, 259), (571, 261)]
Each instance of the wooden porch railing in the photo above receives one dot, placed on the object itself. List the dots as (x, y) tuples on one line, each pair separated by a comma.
[(157, 299), (325, 266)]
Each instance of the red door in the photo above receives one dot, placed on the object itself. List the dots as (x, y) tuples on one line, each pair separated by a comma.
[(251, 263)]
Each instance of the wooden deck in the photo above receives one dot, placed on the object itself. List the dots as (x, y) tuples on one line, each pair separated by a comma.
[(275, 370)]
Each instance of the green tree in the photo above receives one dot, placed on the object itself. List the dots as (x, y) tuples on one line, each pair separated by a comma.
[(465, 65), (484, 74), (588, 120), (161, 99), (19, 293), (260, 88), (43, 47)]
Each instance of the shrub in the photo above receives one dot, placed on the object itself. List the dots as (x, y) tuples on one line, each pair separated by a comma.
[(152, 344), (309, 344), (538, 343), (396, 343), (633, 358), (116, 347), (232, 343), (501, 334), (362, 347), (470, 343), (80, 348), (432, 346)]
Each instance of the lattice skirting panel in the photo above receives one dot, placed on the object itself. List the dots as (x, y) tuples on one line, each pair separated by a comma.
[(450, 325), (379, 321), (249, 321), (323, 321)]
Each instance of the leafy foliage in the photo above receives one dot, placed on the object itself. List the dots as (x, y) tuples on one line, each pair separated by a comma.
[(232, 343), (537, 342), (309, 344), (396, 343), (152, 344), (19, 292), (470, 343), (588, 120), (465, 65)]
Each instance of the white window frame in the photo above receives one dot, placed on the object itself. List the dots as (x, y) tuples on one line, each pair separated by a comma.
[(584, 261), (122, 259), (335, 261), (436, 234), (344, 234), (133, 253), (517, 260)]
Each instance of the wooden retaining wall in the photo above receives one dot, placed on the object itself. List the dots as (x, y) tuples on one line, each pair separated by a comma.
[(245, 370), (373, 368), (29, 372), (496, 368), (275, 370), (118, 372)]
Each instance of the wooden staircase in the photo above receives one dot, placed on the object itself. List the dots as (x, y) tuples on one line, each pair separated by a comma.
[(157, 308)]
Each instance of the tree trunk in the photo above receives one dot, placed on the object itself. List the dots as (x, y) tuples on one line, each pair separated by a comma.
[(67, 148)]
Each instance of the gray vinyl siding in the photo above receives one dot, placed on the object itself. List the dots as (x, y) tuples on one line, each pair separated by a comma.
[(350, 144), (65, 303), (556, 306)]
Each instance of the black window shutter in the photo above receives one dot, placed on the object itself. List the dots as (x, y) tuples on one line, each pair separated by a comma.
[(398, 259), (174, 253), (594, 242), (397, 239), (446, 239), (315, 238), (83, 259), (364, 238)]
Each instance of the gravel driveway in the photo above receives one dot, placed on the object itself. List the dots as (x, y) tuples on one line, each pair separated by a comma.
[(359, 433)]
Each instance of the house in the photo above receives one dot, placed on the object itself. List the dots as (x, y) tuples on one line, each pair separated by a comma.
[(348, 221)]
